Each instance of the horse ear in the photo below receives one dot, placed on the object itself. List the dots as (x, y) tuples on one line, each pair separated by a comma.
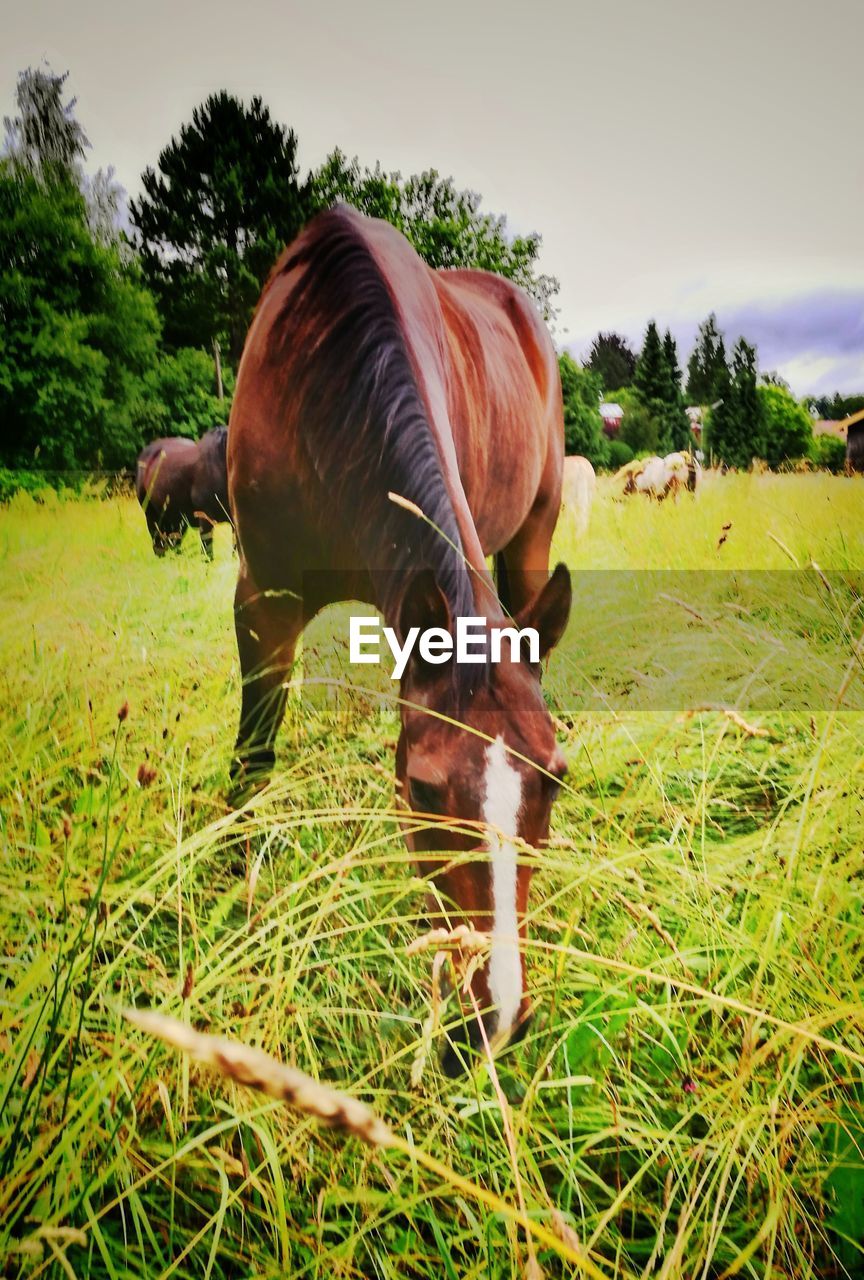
[(548, 612), (423, 605)]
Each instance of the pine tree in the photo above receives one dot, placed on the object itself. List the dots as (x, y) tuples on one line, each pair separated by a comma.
[(214, 216), (612, 360), (736, 427), (657, 384), (651, 378), (706, 364), (677, 433)]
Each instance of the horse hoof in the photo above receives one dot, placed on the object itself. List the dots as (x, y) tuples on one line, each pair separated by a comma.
[(249, 775)]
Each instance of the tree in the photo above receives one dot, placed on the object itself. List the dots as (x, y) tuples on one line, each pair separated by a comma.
[(213, 218), (640, 425), (735, 426), (657, 388), (706, 364), (651, 377), (612, 360), (677, 433), (445, 225), (828, 453), (787, 427), (45, 140), (837, 407), (583, 426), (77, 332), (178, 397)]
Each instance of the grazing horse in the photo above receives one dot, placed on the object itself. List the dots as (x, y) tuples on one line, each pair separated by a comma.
[(659, 477), (367, 375), (181, 482), (579, 483)]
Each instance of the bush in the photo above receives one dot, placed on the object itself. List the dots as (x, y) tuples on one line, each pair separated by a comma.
[(640, 426), (583, 426), (620, 454), (787, 430), (828, 453), (178, 397)]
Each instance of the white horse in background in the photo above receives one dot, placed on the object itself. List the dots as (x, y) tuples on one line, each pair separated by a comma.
[(577, 491)]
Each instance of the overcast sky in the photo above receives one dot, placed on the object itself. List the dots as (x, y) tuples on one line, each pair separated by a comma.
[(676, 157)]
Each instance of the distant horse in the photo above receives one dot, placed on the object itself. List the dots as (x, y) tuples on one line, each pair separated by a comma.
[(367, 375), (180, 482), (577, 493), (659, 477)]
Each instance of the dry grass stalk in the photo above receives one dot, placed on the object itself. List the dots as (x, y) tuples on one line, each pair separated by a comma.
[(472, 946), (431, 1023), (463, 936), (257, 1070), (639, 911), (752, 731)]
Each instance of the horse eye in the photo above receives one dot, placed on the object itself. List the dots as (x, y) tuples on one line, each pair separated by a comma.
[(425, 796)]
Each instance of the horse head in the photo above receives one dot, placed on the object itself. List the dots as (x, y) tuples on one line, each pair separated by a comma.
[(479, 768)]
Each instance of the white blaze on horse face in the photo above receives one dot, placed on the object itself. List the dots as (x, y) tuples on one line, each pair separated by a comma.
[(501, 805)]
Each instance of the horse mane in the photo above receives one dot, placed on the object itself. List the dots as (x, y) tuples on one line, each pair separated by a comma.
[(362, 420)]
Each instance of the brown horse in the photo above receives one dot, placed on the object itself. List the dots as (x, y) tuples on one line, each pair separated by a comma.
[(366, 374), (180, 482)]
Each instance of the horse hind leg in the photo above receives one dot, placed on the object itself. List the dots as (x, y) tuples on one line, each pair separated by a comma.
[(267, 629)]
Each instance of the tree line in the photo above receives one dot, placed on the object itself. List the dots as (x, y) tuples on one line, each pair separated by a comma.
[(745, 415), (108, 326), (109, 320)]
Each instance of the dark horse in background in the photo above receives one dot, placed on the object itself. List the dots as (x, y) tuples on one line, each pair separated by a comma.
[(182, 482), (367, 374)]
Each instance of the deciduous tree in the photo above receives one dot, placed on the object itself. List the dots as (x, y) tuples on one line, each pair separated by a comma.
[(446, 226), (787, 430), (583, 426)]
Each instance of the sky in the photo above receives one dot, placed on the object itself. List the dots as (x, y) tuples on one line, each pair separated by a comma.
[(676, 157)]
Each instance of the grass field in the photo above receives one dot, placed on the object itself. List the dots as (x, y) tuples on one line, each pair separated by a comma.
[(689, 1101)]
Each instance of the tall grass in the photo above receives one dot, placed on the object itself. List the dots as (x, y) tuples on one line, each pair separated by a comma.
[(689, 1099)]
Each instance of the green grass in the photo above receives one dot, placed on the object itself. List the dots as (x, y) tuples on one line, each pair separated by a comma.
[(689, 1100)]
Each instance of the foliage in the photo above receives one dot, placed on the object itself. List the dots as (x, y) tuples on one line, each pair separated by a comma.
[(837, 407), (787, 430), (676, 433), (178, 396), (705, 368), (78, 331), (735, 429), (829, 453), (213, 217), (641, 423), (659, 420), (651, 377), (45, 140), (445, 225), (612, 360), (583, 426), (620, 454)]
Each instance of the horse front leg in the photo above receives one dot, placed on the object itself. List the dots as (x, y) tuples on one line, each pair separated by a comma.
[(268, 627), (205, 529)]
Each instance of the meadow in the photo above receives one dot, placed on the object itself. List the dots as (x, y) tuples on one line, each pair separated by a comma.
[(689, 1099)]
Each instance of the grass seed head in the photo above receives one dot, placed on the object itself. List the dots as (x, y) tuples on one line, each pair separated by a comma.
[(258, 1070)]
